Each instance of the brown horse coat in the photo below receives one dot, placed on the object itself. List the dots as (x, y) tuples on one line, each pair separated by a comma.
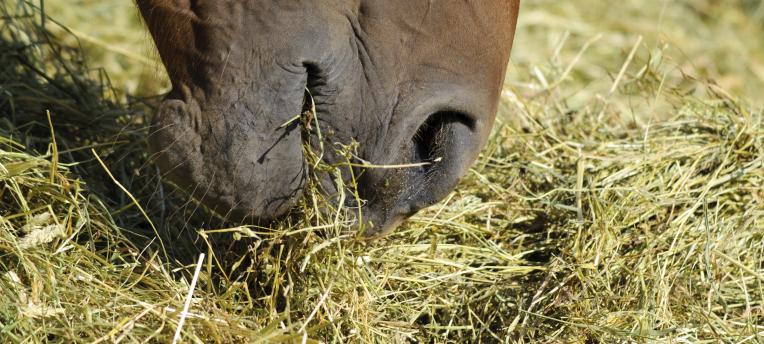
[(412, 81)]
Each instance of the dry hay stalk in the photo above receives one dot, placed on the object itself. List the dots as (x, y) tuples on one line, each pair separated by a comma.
[(619, 200)]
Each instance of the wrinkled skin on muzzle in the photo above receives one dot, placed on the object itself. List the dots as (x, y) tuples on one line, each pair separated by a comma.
[(413, 82)]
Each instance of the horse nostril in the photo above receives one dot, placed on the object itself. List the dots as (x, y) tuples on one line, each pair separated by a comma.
[(428, 142), (435, 158)]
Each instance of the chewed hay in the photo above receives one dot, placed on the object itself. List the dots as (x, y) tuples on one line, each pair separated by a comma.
[(619, 199)]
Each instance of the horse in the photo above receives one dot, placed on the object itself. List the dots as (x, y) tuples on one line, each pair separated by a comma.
[(413, 85)]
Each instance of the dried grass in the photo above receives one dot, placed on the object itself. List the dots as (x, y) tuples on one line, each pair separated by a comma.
[(620, 199)]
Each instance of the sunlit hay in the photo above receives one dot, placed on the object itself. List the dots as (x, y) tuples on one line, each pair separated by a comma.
[(619, 199), (123, 49), (91, 283), (715, 41)]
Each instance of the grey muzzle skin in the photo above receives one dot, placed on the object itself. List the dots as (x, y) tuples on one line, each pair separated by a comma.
[(414, 83)]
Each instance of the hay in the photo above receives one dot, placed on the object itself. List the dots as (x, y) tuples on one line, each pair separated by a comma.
[(619, 200)]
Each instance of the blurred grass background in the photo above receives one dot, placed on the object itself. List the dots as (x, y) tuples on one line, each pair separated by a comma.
[(619, 200), (718, 40), (112, 34)]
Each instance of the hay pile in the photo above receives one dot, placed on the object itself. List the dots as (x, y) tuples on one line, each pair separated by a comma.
[(619, 200)]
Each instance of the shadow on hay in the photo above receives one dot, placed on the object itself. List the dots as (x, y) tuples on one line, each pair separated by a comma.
[(39, 75)]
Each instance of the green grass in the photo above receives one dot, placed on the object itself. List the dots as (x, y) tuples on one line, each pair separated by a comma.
[(619, 199)]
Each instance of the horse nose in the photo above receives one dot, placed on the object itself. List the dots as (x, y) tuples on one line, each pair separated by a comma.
[(436, 156)]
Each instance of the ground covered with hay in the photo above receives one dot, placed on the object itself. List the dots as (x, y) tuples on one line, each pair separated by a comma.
[(620, 199)]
